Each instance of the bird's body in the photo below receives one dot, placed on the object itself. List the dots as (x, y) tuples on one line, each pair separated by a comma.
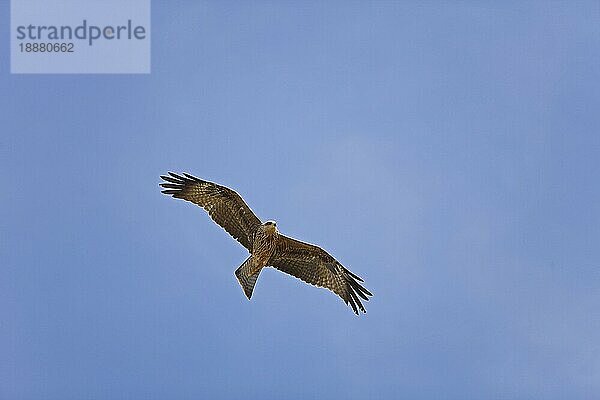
[(266, 245)]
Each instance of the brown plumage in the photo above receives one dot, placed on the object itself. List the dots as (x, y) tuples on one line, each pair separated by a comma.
[(266, 245)]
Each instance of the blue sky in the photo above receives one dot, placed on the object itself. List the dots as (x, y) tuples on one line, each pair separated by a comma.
[(448, 154)]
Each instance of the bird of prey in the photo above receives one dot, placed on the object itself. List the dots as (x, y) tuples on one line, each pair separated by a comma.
[(267, 247)]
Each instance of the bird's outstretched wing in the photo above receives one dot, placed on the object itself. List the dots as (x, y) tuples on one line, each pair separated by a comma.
[(225, 206), (314, 265)]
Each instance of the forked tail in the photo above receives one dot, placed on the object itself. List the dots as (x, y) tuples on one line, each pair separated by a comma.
[(246, 280)]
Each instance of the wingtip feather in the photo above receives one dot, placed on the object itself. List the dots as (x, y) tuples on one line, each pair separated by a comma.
[(192, 177)]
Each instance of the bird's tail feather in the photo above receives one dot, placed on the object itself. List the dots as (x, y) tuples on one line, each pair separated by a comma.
[(245, 277)]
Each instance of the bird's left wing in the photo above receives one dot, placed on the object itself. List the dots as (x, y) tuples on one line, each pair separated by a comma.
[(315, 266), (225, 206)]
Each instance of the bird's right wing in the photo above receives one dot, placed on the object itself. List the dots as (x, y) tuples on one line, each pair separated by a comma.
[(225, 206), (314, 265)]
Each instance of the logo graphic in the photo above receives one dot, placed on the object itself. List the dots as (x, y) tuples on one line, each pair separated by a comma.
[(80, 36)]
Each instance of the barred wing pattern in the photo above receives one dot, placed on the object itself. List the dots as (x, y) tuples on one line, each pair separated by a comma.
[(314, 265), (225, 206)]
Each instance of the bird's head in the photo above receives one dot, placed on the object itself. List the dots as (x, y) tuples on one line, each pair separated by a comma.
[(270, 226)]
